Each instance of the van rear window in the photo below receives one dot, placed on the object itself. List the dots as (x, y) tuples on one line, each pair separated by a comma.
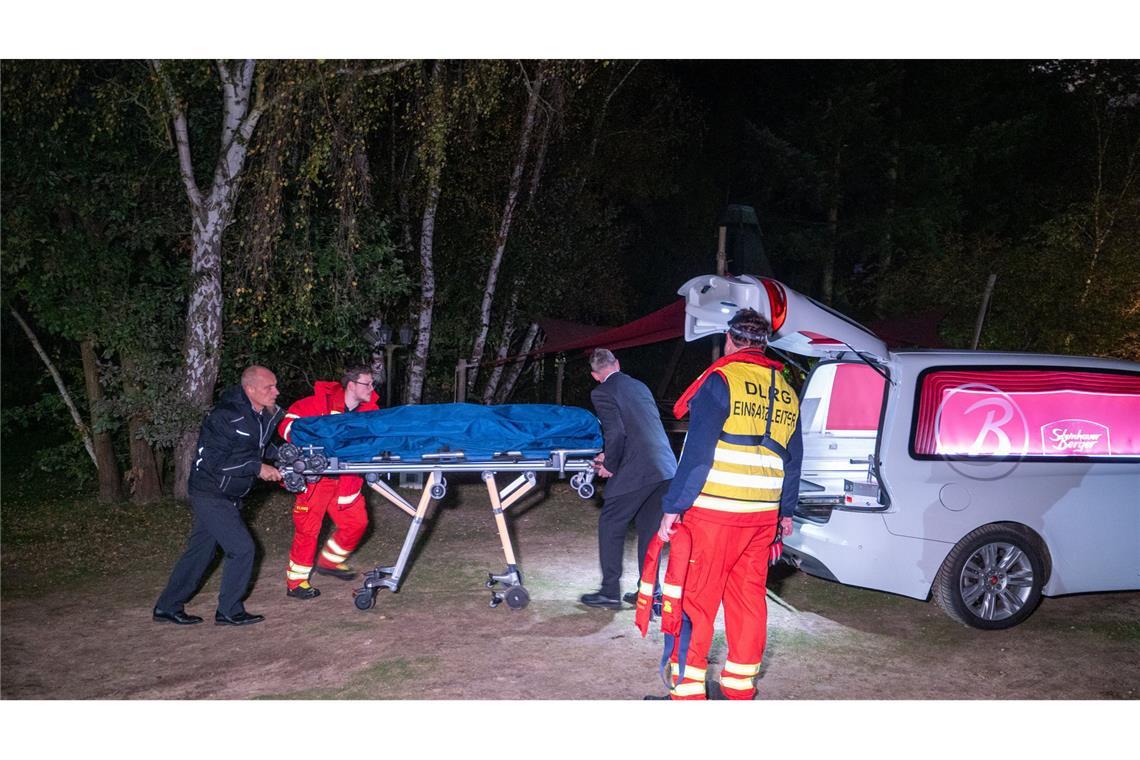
[(1040, 413)]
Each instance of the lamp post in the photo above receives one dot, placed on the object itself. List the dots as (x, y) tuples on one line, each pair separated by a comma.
[(391, 341)]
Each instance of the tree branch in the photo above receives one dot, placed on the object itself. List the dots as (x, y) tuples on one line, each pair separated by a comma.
[(387, 68), (181, 138), (84, 431)]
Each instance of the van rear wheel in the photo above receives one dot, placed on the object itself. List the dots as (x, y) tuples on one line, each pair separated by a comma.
[(992, 578)]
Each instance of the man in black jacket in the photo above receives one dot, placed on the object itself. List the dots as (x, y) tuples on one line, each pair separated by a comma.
[(233, 441), (639, 464)]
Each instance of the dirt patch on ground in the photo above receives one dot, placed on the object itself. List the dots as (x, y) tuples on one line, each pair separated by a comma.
[(438, 639)]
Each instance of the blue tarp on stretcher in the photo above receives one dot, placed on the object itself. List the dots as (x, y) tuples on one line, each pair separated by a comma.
[(479, 432)]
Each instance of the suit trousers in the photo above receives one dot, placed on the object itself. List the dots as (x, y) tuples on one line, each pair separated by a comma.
[(641, 507), (217, 521)]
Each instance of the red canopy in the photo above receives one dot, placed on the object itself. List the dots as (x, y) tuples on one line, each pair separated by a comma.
[(663, 324), (669, 322)]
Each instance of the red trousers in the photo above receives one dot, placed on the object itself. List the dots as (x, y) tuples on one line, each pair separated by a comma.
[(347, 513), (728, 563)]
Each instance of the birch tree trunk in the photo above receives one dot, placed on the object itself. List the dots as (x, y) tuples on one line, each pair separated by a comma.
[(210, 215), (504, 349), (110, 483), (512, 376), (535, 88), (435, 158), (80, 425)]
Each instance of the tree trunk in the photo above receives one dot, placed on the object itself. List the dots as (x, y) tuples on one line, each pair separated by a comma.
[(504, 229), (435, 157), (508, 385), (417, 365), (110, 484), (210, 215), (504, 349), (144, 477), (81, 426), (201, 348)]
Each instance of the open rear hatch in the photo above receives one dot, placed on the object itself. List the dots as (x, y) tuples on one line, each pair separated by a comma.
[(800, 325)]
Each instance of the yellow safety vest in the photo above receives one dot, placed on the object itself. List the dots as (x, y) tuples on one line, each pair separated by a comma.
[(747, 473)]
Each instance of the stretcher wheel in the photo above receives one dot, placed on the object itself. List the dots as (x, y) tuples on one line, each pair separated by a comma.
[(586, 490), (517, 597), (576, 481), (364, 599), (294, 483), (318, 463), (438, 491), (288, 452)]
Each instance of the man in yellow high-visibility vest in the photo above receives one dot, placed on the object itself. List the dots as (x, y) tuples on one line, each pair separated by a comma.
[(736, 487)]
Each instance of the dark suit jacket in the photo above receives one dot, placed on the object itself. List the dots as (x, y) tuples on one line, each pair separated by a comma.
[(637, 449)]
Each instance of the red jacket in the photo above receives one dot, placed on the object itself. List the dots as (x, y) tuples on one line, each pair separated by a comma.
[(680, 548), (327, 398)]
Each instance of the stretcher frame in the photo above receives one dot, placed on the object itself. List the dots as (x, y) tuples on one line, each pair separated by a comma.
[(307, 464)]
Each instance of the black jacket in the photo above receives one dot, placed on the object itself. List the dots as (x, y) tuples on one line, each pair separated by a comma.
[(232, 443), (637, 449)]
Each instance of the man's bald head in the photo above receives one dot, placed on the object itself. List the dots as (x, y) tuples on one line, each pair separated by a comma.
[(260, 386)]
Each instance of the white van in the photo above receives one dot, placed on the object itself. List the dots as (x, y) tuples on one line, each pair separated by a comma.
[(983, 479)]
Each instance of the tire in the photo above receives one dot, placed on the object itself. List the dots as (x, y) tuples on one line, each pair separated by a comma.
[(364, 599), (992, 578), (517, 597)]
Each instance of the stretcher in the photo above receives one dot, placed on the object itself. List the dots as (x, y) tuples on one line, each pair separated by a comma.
[(320, 445)]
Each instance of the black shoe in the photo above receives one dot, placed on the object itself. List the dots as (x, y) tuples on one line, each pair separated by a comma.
[(629, 597), (242, 618), (179, 618), (342, 571), (654, 696), (304, 591), (600, 600)]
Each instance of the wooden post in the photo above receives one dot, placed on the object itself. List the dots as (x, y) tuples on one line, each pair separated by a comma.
[(721, 270), (982, 311), (670, 368), (559, 374), (461, 381)]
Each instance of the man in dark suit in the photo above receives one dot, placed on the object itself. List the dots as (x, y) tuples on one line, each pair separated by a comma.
[(234, 439), (638, 463)]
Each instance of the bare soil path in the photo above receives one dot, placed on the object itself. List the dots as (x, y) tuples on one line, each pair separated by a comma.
[(438, 639)]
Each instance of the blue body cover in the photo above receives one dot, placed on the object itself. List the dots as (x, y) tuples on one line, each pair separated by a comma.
[(478, 431)]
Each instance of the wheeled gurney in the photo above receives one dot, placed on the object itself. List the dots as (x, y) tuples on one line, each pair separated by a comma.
[(331, 446)]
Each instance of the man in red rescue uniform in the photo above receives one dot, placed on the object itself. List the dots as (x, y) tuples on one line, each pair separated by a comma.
[(736, 486), (341, 497)]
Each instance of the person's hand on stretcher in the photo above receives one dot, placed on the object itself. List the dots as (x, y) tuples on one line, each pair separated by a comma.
[(601, 468)]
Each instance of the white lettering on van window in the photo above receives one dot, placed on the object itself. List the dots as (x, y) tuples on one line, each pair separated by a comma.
[(1075, 437), (1004, 446), (959, 429)]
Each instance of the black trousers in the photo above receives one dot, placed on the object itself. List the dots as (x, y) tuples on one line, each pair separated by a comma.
[(217, 521), (641, 507)]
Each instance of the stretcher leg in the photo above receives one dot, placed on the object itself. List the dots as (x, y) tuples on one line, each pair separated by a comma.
[(513, 592), (389, 577)]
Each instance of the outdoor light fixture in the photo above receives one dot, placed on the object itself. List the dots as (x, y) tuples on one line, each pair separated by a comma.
[(384, 335)]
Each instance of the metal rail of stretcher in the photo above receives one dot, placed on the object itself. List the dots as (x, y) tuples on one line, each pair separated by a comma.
[(306, 464)]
